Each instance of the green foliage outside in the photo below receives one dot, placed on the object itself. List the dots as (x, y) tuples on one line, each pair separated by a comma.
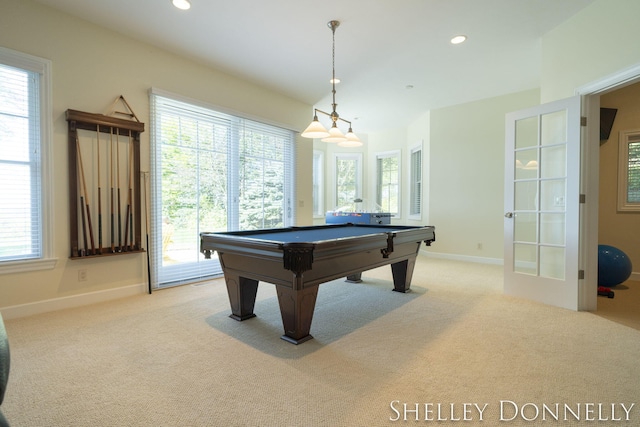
[(198, 173)]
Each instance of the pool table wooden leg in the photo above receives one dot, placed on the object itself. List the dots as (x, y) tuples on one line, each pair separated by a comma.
[(242, 296), (402, 273), (296, 308), (355, 278)]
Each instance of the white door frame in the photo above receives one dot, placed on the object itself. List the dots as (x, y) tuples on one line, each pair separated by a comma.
[(590, 178)]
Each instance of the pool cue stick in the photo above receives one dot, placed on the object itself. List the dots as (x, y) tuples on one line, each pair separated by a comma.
[(84, 221), (99, 194), (146, 223), (131, 191), (84, 187), (118, 182), (84, 224), (128, 212), (113, 249)]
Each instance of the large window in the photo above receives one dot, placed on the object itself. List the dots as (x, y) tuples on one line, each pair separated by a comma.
[(388, 182), (629, 171), (25, 135), (348, 173), (318, 183), (212, 171)]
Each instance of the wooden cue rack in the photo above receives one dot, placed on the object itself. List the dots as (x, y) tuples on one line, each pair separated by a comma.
[(105, 214)]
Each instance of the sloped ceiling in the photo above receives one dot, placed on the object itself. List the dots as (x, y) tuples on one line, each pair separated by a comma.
[(394, 57)]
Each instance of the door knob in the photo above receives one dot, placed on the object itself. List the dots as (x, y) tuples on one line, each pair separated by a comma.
[(508, 215)]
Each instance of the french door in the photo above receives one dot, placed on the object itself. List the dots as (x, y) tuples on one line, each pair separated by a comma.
[(542, 203), (212, 172)]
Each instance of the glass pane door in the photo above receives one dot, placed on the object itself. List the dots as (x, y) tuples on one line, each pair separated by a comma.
[(542, 179), (540, 192)]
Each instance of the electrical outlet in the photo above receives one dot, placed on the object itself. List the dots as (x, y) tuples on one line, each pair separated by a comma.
[(82, 275), (479, 246)]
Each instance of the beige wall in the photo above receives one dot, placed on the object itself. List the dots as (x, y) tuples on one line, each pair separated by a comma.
[(600, 40), (466, 178), (92, 66), (619, 229)]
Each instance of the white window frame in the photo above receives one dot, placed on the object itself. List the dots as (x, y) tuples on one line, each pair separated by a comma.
[(190, 271), (318, 184), (624, 140), (416, 179), (42, 67), (386, 155), (357, 157)]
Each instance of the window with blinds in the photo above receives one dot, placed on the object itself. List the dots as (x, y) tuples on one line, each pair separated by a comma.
[(388, 182), (212, 171), (629, 171), (24, 86), (318, 184), (415, 191)]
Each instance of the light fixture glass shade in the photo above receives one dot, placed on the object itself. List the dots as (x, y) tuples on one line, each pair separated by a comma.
[(352, 140), (335, 135), (181, 4), (315, 130)]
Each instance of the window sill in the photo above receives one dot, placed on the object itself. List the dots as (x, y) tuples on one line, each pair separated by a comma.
[(28, 265)]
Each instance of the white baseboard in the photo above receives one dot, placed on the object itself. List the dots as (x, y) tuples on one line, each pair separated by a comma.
[(635, 276), (39, 307), (466, 258)]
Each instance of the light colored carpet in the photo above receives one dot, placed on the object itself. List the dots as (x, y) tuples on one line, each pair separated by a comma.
[(175, 358)]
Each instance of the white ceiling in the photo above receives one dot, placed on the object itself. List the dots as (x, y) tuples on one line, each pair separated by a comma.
[(382, 46)]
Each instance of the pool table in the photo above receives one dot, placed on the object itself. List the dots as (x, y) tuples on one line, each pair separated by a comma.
[(298, 259)]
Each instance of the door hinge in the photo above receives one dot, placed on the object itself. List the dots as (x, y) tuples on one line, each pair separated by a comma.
[(580, 274), (583, 121), (583, 198)]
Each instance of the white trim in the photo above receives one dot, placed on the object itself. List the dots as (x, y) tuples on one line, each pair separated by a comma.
[(55, 304), (590, 187), (590, 171), (44, 68), (28, 265), (614, 81)]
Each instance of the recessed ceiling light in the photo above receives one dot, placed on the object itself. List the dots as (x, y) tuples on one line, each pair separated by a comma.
[(458, 39), (181, 4)]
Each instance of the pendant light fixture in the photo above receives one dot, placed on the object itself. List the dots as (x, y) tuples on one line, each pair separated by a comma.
[(334, 134)]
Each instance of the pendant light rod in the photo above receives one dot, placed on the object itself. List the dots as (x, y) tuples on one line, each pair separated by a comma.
[(316, 129), (333, 25)]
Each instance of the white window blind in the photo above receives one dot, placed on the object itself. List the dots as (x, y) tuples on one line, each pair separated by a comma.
[(629, 171), (212, 172), (24, 215), (318, 183), (415, 201)]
